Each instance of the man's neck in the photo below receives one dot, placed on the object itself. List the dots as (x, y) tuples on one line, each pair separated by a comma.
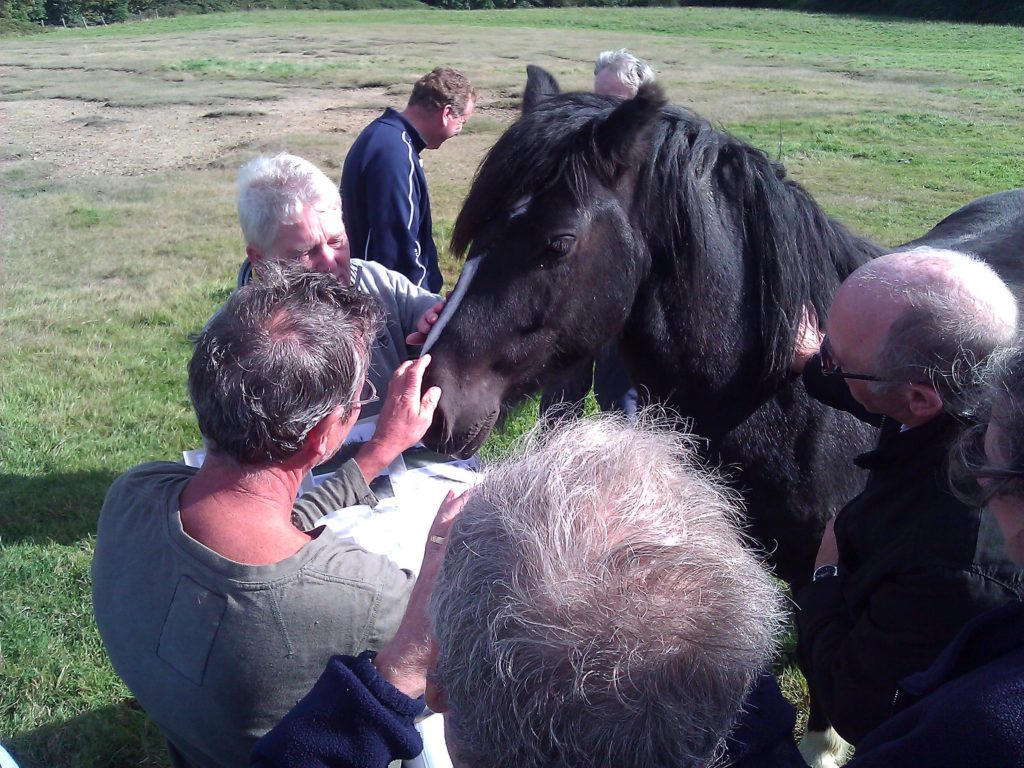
[(420, 120), (910, 421), (243, 514)]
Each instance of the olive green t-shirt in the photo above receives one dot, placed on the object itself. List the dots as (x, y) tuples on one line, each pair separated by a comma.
[(217, 651)]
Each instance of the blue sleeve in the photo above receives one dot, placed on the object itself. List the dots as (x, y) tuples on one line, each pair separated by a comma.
[(763, 734), (393, 210), (352, 718)]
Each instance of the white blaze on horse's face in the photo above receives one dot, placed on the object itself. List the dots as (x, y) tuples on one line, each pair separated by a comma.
[(465, 278), (520, 208), (468, 271)]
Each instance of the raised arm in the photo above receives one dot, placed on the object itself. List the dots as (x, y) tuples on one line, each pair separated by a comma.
[(403, 419), (361, 712)]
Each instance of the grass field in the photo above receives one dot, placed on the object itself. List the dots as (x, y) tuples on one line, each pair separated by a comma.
[(119, 233)]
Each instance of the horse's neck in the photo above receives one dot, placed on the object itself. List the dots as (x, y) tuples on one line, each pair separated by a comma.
[(695, 368), (701, 349)]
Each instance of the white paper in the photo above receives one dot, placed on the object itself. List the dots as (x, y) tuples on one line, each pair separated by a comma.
[(409, 493)]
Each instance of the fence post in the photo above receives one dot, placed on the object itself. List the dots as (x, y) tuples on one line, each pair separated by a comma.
[(63, 23), (84, 22)]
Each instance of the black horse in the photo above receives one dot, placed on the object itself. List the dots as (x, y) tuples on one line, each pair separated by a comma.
[(594, 219)]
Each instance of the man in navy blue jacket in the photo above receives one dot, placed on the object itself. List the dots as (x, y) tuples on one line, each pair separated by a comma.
[(383, 187)]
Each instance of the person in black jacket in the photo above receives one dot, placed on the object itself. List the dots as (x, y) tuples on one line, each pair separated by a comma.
[(905, 564), (968, 707), (383, 186)]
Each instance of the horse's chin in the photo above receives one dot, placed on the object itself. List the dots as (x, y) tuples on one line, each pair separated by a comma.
[(464, 443)]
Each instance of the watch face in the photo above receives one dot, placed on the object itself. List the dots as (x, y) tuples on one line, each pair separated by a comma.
[(825, 571)]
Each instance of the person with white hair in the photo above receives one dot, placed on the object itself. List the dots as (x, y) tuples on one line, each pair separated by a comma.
[(290, 211), (903, 565), (596, 606), (616, 73), (620, 73)]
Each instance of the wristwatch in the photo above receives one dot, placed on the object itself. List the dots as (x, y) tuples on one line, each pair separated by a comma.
[(825, 571)]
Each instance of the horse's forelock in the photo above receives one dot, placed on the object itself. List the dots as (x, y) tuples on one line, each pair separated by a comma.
[(553, 142)]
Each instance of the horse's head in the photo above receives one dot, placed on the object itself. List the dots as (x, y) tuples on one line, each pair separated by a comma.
[(553, 257)]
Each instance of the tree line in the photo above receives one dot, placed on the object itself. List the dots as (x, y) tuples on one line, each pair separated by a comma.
[(75, 12), (976, 11)]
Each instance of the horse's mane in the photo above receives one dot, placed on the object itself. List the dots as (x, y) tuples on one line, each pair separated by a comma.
[(700, 195)]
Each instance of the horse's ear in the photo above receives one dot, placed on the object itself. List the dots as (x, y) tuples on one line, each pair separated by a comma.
[(617, 136), (540, 85)]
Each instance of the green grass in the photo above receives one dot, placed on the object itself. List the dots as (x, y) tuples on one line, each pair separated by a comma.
[(271, 70), (105, 271)]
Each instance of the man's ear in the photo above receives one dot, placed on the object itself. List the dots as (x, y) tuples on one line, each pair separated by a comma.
[(436, 698), (323, 437), (925, 403), (318, 439)]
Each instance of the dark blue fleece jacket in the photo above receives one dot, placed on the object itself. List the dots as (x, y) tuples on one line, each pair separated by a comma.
[(353, 718), (966, 710), (385, 201)]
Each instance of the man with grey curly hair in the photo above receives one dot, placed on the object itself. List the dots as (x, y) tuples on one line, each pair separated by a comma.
[(904, 565), (596, 606), (216, 594), (620, 73)]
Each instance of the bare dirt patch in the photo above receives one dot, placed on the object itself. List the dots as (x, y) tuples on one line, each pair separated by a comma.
[(84, 138), (135, 105)]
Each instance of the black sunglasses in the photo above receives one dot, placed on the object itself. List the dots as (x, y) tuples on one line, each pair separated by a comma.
[(829, 366)]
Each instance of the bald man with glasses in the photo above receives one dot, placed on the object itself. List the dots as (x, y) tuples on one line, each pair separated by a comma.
[(904, 565)]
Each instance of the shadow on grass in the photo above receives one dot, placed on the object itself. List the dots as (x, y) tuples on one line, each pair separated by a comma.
[(59, 507), (118, 736)]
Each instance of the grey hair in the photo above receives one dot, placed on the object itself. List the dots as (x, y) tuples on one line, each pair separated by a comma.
[(279, 356), (999, 400), (629, 70), (597, 605), (278, 190), (956, 311)]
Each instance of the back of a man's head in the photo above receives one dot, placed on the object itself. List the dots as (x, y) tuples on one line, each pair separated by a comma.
[(278, 190), (951, 312), (440, 88), (281, 354), (597, 606), (623, 73)]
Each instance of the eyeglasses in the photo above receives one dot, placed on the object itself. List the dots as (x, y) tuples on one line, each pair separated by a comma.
[(829, 366), (367, 395)]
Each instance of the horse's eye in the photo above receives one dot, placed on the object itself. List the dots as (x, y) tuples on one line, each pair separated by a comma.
[(562, 245)]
